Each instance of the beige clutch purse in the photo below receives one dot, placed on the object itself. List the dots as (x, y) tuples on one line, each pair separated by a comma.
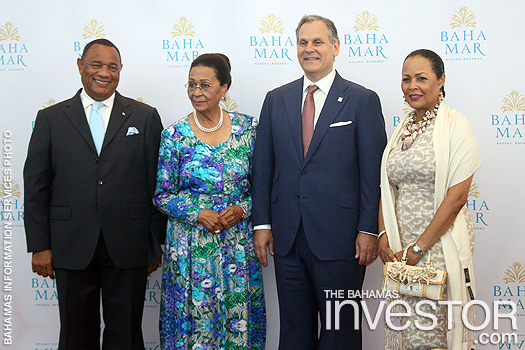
[(418, 281)]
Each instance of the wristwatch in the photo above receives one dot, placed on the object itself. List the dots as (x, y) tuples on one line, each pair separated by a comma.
[(417, 249)]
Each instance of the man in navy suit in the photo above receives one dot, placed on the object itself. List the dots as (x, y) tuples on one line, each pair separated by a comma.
[(89, 179), (316, 191)]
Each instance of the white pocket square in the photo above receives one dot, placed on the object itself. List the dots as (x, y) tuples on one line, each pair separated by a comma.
[(132, 131), (334, 125)]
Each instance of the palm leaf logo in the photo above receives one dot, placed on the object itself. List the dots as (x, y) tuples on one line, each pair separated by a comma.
[(229, 104), (49, 103), (473, 191), (271, 24), (183, 27), (406, 108), (9, 32), (463, 18), (366, 22), (140, 99), (14, 191), (513, 102), (93, 30), (514, 273)]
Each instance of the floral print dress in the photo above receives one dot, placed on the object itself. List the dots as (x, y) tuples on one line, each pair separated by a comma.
[(212, 288)]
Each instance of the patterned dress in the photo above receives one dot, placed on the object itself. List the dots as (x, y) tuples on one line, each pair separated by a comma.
[(212, 287), (412, 173)]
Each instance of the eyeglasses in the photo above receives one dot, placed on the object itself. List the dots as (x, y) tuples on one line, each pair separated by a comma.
[(204, 86)]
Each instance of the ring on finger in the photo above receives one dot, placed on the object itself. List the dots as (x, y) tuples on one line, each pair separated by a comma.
[(217, 231)]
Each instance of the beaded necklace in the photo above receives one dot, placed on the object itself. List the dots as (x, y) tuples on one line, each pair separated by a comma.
[(411, 129), (215, 128)]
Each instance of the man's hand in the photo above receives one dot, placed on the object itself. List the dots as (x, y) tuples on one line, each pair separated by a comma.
[(263, 239), (152, 267), (365, 248), (42, 263)]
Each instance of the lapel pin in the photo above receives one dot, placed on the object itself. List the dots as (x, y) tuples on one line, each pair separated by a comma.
[(340, 99), (123, 113)]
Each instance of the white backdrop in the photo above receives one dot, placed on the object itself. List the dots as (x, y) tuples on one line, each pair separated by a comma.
[(480, 41)]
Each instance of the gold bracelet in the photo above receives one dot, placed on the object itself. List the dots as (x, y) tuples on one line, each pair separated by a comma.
[(243, 212)]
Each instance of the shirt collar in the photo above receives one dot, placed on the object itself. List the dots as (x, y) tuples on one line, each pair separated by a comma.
[(323, 84), (88, 101)]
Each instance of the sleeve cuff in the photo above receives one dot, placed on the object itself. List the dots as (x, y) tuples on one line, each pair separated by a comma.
[(370, 233)]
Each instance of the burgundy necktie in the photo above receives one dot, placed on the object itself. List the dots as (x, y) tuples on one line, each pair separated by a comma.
[(308, 117)]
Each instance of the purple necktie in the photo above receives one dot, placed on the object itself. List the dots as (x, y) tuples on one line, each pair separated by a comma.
[(308, 117)]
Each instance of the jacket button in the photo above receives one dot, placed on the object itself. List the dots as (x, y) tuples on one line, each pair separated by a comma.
[(303, 172), (96, 160), (100, 182)]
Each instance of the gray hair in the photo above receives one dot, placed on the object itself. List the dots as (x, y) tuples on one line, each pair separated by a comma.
[(332, 30)]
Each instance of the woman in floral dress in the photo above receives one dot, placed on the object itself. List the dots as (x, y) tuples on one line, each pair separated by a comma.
[(212, 289)]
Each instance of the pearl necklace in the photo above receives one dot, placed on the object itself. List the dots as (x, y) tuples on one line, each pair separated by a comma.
[(411, 129), (215, 128)]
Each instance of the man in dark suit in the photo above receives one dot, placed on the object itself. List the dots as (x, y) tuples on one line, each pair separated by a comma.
[(316, 191), (89, 179)]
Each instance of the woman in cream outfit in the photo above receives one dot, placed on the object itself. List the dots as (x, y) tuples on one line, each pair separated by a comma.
[(426, 172)]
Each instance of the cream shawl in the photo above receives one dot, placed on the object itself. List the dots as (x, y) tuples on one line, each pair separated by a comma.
[(457, 158)]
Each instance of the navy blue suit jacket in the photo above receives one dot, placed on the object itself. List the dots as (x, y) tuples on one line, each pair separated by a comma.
[(334, 190)]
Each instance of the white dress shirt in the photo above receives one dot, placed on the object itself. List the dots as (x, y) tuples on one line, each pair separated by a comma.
[(105, 111), (320, 94)]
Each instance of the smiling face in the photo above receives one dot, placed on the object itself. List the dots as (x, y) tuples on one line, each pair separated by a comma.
[(100, 71), (315, 53), (205, 101), (420, 84)]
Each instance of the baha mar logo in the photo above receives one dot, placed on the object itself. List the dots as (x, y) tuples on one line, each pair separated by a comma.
[(12, 51), (229, 104), (508, 125), (366, 44), (478, 207), (464, 41), (406, 110), (11, 208), (513, 289), (272, 46), (45, 292), (183, 47), (91, 31)]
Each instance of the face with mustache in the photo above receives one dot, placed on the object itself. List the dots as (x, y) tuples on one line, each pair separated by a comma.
[(100, 71)]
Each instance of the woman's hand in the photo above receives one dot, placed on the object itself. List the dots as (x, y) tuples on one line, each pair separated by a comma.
[(212, 220), (232, 215), (412, 257), (386, 254)]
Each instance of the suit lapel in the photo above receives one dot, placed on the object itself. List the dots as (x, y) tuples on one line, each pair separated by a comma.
[(119, 114), (292, 103), (75, 113), (330, 111)]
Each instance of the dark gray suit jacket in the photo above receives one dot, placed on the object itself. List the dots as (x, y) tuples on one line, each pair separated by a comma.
[(72, 194)]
